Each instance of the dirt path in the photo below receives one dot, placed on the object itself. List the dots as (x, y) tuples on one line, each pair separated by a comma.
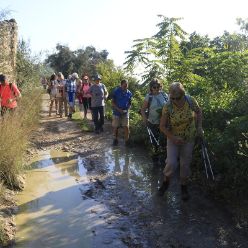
[(127, 188)]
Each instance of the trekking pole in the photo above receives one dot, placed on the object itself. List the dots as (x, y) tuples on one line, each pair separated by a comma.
[(157, 142), (204, 159), (209, 163), (148, 130)]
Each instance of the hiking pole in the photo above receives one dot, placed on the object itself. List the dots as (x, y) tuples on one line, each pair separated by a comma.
[(204, 159), (209, 163), (148, 130), (157, 142)]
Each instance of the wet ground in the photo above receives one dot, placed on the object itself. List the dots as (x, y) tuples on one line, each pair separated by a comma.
[(96, 195)]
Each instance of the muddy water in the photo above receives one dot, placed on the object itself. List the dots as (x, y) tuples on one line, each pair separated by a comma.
[(52, 212), (64, 205)]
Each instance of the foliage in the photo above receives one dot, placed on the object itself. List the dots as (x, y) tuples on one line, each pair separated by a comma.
[(82, 61), (215, 72), (15, 132), (28, 69)]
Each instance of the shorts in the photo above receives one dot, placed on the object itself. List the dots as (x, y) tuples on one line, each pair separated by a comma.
[(71, 98), (120, 121)]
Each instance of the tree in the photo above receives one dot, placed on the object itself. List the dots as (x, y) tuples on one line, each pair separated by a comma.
[(82, 61), (160, 55)]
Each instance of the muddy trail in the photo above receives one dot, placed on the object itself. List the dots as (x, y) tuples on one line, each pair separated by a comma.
[(82, 192)]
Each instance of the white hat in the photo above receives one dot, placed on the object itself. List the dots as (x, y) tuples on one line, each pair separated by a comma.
[(75, 75)]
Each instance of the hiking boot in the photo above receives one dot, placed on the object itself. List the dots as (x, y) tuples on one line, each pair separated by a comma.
[(184, 193), (115, 142), (163, 188)]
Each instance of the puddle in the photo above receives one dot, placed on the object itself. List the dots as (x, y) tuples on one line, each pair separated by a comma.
[(52, 212), (55, 210)]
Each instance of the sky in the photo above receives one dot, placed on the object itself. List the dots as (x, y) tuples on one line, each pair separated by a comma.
[(114, 24)]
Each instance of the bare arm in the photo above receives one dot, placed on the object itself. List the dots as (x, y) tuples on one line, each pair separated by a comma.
[(143, 111), (199, 118)]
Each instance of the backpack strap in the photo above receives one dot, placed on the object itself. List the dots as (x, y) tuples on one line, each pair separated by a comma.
[(189, 101), (187, 98), (165, 96)]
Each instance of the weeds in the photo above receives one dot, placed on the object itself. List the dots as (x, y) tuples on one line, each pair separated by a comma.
[(15, 130)]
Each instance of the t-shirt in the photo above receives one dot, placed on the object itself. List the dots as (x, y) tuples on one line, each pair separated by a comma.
[(182, 120), (122, 99), (97, 94), (85, 90), (54, 88), (71, 86), (156, 106), (8, 92)]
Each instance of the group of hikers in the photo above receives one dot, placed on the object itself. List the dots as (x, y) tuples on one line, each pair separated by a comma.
[(176, 117)]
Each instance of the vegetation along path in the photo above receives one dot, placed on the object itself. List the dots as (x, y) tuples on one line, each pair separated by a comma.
[(82, 192)]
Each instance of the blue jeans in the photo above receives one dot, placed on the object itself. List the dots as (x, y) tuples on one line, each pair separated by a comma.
[(98, 117)]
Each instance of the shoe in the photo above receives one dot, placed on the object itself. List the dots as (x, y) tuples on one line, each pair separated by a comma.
[(115, 142), (101, 129), (184, 193), (97, 131), (163, 188)]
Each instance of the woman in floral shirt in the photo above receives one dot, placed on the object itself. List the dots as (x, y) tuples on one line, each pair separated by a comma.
[(181, 122)]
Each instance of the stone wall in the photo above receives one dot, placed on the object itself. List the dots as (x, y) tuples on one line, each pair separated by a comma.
[(8, 48)]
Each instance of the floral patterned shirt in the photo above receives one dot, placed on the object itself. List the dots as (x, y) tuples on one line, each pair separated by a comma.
[(182, 121)]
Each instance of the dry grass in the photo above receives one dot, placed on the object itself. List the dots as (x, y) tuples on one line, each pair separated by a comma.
[(15, 130)]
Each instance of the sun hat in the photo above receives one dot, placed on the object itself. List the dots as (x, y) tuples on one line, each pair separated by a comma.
[(75, 75)]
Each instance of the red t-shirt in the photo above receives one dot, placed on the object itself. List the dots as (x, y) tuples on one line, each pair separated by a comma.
[(7, 93)]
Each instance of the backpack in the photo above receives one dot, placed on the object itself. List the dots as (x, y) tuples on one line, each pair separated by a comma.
[(150, 100)]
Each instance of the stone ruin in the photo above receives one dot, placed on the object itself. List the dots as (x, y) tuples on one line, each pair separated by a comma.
[(8, 48)]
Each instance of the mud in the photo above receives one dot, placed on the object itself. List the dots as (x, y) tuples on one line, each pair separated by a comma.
[(112, 196)]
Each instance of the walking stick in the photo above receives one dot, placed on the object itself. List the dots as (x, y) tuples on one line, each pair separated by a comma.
[(151, 133), (148, 130), (206, 160)]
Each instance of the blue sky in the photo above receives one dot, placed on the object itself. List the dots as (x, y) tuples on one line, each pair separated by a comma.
[(114, 24)]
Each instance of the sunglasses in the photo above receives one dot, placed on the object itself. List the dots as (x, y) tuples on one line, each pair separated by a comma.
[(176, 98)]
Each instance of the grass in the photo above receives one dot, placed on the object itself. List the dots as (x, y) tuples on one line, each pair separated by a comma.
[(15, 131), (84, 123)]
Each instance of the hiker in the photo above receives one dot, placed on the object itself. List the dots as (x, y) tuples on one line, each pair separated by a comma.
[(43, 82), (121, 102), (9, 94), (151, 112), (79, 94), (53, 89), (181, 122), (62, 95), (99, 94), (86, 95), (71, 85)]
